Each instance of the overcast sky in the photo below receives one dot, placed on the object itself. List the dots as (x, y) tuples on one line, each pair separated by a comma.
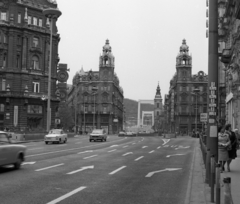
[(145, 36)]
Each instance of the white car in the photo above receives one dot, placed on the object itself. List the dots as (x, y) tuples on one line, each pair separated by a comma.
[(56, 135), (11, 153)]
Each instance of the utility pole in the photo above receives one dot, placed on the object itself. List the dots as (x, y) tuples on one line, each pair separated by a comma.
[(212, 139)]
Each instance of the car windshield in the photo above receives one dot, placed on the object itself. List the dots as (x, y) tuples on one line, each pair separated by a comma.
[(3, 138), (55, 131), (97, 131)]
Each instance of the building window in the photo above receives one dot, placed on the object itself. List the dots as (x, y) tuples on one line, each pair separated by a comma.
[(19, 18), (157, 113), (35, 109), (18, 61), (4, 39), (3, 16), (157, 105), (1, 107), (85, 98), (35, 21), (29, 20), (36, 87), (3, 85), (104, 109), (35, 42), (89, 108), (4, 60), (40, 22), (85, 109), (35, 63), (18, 40)]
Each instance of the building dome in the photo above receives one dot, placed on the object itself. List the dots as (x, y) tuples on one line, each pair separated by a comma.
[(184, 47), (107, 48)]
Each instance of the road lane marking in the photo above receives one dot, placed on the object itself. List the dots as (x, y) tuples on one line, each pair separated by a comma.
[(114, 146), (78, 142), (67, 195), (24, 163), (85, 152), (181, 147), (125, 146), (165, 141), (159, 147), (112, 150), (127, 153), (67, 150), (82, 169), (151, 152), (139, 158), (144, 147), (35, 148), (133, 143), (166, 146), (115, 171), (49, 167), (167, 169), (90, 156), (174, 155)]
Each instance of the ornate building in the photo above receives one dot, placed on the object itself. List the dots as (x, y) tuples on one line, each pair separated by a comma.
[(183, 106), (24, 62), (98, 96), (229, 46)]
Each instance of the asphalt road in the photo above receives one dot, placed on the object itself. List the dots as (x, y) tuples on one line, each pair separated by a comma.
[(123, 170)]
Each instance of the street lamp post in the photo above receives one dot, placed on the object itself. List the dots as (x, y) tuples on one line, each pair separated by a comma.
[(195, 92), (94, 89), (52, 14)]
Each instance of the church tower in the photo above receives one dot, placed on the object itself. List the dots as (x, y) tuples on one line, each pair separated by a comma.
[(106, 63), (158, 109), (184, 63)]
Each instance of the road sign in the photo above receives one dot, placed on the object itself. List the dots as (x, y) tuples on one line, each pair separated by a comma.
[(203, 117), (212, 113)]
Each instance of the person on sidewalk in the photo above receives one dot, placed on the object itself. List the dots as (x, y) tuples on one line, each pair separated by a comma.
[(223, 142), (232, 153)]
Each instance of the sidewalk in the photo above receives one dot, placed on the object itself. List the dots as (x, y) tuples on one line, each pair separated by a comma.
[(235, 180), (201, 192)]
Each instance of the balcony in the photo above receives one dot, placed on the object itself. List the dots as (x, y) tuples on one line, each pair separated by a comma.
[(226, 56)]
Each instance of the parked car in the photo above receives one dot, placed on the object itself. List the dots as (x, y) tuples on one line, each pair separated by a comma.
[(122, 133), (98, 134), (56, 135), (11, 153)]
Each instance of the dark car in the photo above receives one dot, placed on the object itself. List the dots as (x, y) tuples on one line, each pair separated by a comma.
[(98, 134)]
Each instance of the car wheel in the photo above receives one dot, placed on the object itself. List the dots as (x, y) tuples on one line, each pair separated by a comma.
[(59, 141), (90, 140), (66, 140), (17, 164), (46, 142)]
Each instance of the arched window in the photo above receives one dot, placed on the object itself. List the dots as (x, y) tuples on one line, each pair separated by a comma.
[(1, 107), (35, 63)]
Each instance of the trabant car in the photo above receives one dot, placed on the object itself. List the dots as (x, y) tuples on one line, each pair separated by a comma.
[(56, 135)]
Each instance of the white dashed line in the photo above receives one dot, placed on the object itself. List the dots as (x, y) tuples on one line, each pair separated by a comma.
[(127, 153), (35, 148), (158, 147), (119, 169), (67, 195), (144, 147), (90, 156), (112, 150), (125, 146), (138, 158), (49, 167), (151, 152)]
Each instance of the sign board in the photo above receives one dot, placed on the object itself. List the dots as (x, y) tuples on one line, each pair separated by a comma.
[(57, 121), (115, 120), (203, 117)]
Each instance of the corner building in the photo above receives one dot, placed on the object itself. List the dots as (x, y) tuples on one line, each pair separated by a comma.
[(182, 106), (24, 62), (98, 96)]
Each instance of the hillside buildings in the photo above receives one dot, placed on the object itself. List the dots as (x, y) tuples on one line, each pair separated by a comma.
[(24, 62)]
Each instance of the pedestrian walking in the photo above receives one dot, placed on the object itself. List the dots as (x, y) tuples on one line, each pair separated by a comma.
[(223, 142), (232, 152)]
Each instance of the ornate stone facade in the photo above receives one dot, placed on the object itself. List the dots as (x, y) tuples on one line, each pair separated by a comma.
[(24, 62), (99, 96), (229, 35), (183, 107)]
